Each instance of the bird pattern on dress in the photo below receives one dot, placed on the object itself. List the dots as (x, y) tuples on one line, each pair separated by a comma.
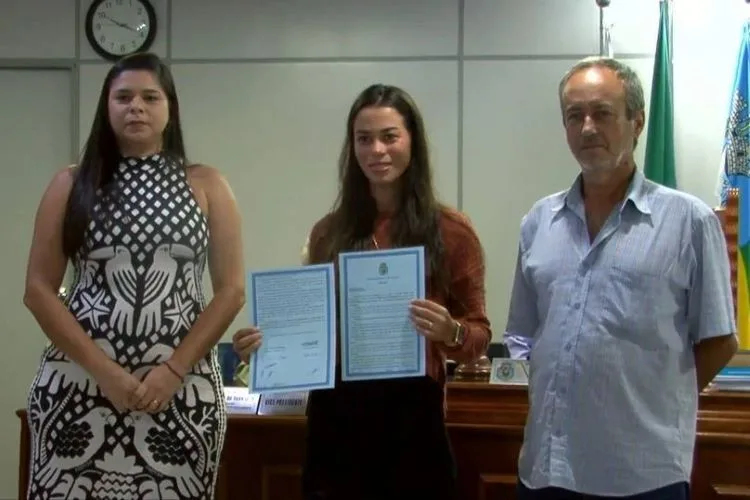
[(137, 292)]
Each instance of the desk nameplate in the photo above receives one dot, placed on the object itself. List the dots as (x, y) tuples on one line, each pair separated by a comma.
[(509, 371), (288, 403), (240, 400)]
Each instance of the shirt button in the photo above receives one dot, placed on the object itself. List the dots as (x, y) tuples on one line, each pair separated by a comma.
[(568, 347), (577, 306)]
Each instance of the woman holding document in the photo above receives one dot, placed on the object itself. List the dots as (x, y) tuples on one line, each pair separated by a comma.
[(127, 402), (380, 439)]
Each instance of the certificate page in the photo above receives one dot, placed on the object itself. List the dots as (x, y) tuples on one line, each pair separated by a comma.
[(378, 339), (295, 310)]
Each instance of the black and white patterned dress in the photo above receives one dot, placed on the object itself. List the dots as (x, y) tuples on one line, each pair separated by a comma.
[(137, 292)]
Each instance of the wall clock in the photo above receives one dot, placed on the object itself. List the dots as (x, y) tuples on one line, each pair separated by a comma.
[(116, 28)]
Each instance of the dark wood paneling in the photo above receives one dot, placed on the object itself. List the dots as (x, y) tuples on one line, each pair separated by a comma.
[(263, 455)]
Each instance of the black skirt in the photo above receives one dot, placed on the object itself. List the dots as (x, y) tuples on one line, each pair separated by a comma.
[(378, 440)]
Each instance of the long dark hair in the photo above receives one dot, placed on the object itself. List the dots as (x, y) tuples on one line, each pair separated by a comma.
[(417, 219), (101, 152)]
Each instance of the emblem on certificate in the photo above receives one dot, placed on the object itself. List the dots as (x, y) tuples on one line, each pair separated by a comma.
[(383, 269), (509, 371)]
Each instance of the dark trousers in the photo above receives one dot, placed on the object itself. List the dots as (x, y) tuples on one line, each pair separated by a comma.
[(378, 440), (678, 491)]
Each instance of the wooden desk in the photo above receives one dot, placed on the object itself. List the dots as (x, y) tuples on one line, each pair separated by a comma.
[(263, 455), (486, 427)]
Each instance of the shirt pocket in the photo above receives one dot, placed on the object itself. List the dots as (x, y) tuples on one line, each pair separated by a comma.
[(635, 308)]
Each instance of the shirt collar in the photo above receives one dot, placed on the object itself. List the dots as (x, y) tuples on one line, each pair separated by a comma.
[(637, 194)]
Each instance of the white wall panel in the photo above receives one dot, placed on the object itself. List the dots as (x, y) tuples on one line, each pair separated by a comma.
[(37, 29), (635, 24), (300, 28), (35, 137), (90, 81), (539, 27)]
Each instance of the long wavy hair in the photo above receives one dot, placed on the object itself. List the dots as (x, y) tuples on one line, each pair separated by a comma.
[(101, 153), (417, 219)]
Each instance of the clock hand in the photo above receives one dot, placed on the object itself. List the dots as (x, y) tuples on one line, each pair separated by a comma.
[(121, 24)]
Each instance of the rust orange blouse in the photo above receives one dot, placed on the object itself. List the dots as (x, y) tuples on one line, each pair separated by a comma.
[(465, 299)]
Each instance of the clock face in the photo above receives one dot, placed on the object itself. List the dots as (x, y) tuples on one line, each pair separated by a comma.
[(116, 28)]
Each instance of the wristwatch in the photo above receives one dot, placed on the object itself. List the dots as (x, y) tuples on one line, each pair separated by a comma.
[(458, 335)]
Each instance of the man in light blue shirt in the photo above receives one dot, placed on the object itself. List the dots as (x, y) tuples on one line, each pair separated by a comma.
[(622, 294), (518, 346)]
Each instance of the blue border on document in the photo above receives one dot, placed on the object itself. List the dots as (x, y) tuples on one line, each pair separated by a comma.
[(327, 270), (346, 374)]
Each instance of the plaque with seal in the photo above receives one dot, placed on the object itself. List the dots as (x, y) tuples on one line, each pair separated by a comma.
[(287, 403), (509, 371)]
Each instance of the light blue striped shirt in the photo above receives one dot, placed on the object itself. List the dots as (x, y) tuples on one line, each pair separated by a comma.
[(612, 324)]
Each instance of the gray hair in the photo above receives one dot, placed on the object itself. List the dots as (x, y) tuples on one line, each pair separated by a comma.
[(634, 100)]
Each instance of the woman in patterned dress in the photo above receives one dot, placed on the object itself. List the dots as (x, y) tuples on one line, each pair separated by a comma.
[(128, 402)]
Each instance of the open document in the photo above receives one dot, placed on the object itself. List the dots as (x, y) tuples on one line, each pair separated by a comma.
[(295, 309), (378, 340)]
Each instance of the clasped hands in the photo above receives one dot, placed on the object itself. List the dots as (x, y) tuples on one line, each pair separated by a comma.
[(430, 319), (153, 394)]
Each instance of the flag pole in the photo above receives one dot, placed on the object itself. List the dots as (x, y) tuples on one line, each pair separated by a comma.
[(602, 29)]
